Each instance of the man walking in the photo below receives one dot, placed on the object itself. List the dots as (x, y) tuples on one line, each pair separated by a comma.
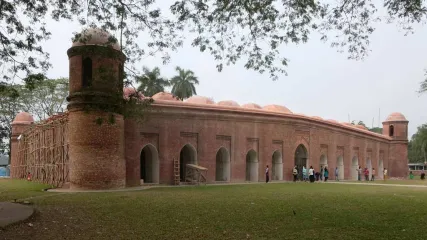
[(336, 174), (267, 176)]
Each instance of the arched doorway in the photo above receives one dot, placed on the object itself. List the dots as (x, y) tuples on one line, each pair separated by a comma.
[(252, 166), (277, 166), (149, 164), (188, 155), (354, 167), (323, 161), (340, 165), (300, 159), (222, 171), (369, 166), (380, 169)]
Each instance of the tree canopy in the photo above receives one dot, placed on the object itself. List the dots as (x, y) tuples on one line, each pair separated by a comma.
[(417, 148), (250, 31), (151, 82), (183, 84)]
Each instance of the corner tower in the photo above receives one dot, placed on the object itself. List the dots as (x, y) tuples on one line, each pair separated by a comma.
[(396, 127), (96, 127), (20, 124)]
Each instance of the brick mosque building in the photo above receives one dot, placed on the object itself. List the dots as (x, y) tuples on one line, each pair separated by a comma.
[(233, 142)]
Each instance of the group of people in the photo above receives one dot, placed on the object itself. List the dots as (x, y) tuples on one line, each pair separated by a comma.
[(312, 176), (366, 174)]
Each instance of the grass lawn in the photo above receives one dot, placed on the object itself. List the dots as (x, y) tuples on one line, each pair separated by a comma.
[(258, 211)]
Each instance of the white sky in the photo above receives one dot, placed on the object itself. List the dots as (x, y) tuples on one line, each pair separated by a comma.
[(320, 81)]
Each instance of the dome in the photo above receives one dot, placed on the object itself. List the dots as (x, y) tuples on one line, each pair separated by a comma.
[(23, 117), (128, 91), (277, 108), (347, 123), (96, 36), (300, 114), (395, 117), (228, 103), (317, 117), (165, 96), (361, 127), (251, 105), (200, 100), (332, 120)]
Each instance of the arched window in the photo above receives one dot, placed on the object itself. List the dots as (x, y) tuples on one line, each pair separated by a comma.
[(391, 131), (87, 72)]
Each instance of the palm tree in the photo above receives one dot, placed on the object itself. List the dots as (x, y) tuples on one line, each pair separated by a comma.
[(183, 83), (151, 82)]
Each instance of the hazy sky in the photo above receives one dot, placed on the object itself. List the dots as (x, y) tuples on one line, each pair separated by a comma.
[(320, 81)]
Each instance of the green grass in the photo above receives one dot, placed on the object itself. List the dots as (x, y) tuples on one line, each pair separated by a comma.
[(258, 211), (18, 189)]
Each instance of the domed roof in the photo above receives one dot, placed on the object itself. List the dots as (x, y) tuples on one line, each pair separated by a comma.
[(396, 116), (361, 127), (317, 117), (165, 96), (347, 123), (300, 114), (251, 105), (128, 91), (277, 108), (332, 120), (96, 36), (229, 103), (200, 100), (23, 117)]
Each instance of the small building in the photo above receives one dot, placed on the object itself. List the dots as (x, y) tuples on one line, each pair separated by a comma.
[(416, 168)]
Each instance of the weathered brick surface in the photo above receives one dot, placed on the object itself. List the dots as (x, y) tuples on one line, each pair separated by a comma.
[(207, 130)]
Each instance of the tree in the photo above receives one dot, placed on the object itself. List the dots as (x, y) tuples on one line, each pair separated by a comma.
[(417, 147), (183, 83), (41, 100), (251, 31), (151, 82)]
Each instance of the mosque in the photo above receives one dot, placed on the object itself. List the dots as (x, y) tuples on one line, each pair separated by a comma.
[(226, 141)]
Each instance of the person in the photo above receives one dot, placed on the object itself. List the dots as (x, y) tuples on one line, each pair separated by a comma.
[(359, 173), (336, 174), (267, 176), (373, 174), (311, 174), (304, 174), (423, 175), (385, 173), (326, 174), (29, 176), (366, 174), (411, 175), (295, 173), (322, 170)]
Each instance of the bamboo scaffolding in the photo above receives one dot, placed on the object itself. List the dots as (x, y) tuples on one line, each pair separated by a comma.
[(43, 152)]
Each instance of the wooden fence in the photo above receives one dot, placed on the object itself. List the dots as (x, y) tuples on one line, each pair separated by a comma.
[(43, 152)]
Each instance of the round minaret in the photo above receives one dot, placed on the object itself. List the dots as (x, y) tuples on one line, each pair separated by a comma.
[(96, 127), (22, 122), (396, 127)]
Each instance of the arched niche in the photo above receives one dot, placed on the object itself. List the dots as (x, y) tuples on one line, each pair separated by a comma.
[(252, 166), (340, 166), (149, 164), (301, 155), (277, 166), (354, 167), (380, 169), (86, 72), (391, 131), (323, 161), (188, 155), (222, 169), (369, 166)]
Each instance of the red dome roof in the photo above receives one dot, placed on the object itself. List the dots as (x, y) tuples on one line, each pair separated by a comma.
[(127, 92), (200, 100), (23, 117), (165, 96), (96, 36), (277, 108), (396, 116), (229, 103), (251, 105)]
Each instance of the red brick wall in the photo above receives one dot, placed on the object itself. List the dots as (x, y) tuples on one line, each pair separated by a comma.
[(208, 130)]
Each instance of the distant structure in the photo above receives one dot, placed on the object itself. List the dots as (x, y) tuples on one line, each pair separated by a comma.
[(198, 139)]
